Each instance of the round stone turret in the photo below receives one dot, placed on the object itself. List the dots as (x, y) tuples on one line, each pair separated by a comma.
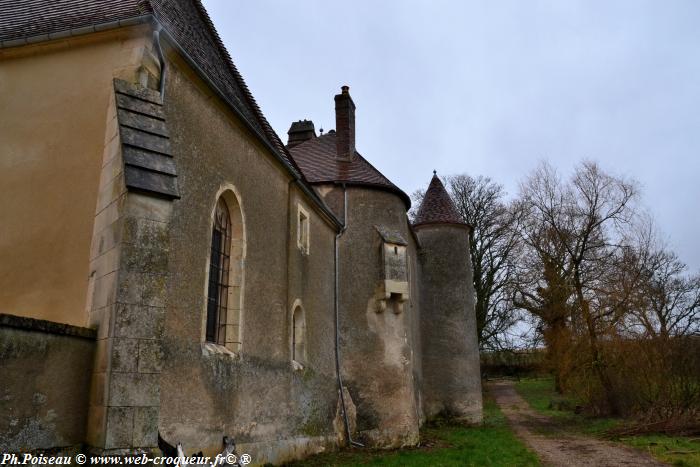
[(450, 351)]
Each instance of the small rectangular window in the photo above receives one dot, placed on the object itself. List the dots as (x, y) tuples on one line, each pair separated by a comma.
[(303, 230)]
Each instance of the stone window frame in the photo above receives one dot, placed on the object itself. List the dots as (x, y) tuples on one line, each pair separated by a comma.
[(298, 336), (219, 271), (232, 344), (303, 230)]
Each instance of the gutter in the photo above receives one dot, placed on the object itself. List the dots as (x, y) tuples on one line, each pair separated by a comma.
[(320, 204), (77, 31), (161, 59)]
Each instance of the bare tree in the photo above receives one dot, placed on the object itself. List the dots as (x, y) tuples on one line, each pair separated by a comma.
[(583, 221), (543, 289), (416, 200), (669, 298), (493, 245)]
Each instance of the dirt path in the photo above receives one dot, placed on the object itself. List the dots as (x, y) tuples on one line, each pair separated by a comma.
[(559, 447)]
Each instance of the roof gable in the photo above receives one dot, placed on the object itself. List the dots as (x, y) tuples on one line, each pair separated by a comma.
[(185, 21)]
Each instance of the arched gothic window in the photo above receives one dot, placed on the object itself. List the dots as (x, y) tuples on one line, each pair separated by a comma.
[(226, 271), (219, 268)]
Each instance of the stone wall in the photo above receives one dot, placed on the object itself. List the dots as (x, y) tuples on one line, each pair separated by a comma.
[(45, 382), (274, 411)]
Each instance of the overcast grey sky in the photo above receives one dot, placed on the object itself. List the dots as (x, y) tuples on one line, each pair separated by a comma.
[(491, 87)]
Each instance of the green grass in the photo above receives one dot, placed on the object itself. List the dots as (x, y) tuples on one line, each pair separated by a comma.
[(540, 394), (675, 450), (445, 443)]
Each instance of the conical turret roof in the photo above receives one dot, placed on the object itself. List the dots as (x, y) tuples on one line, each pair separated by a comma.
[(437, 206)]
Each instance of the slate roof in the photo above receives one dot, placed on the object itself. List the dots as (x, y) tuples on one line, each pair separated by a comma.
[(437, 206), (318, 161), (186, 21)]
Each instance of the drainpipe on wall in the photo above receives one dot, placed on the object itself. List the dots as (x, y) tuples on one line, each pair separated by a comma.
[(337, 322), (161, 59)]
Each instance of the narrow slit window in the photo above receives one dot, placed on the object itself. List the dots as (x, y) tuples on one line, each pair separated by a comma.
[(298, 336), (303, 231), (219, 267)]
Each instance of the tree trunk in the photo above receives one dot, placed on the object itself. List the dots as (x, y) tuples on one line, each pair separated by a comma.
[(597, 362), (558, 341)]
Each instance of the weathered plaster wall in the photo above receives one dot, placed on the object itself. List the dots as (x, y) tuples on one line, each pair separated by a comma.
[(273, 412), (54, 103), (377, 348), (450, 352), (45, 370)]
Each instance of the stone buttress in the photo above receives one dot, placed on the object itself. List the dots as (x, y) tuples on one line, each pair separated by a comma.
[(129, 272)]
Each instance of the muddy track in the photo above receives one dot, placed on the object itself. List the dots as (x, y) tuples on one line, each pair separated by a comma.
[(555, 446)]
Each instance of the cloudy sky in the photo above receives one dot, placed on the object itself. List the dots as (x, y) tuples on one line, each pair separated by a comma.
[(491, 87)]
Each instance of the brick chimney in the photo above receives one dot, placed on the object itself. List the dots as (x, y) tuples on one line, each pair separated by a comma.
[(300, 131), (345, 125)]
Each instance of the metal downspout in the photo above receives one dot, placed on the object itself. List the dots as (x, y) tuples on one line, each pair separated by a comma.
[(337, 322), (161, 59)]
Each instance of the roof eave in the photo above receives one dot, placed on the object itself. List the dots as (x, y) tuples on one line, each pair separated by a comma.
[(75, 32), (450, 224), (376, 186)]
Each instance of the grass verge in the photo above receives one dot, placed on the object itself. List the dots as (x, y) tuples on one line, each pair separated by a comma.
[(445, 443), (675, 450), (540, 394)]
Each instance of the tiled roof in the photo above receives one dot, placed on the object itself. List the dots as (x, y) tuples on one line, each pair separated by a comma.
[(318, 161), (185, 20), (437, 206), (28, 18)]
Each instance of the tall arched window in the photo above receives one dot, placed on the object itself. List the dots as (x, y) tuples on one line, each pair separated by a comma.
[(226, 269), (219, 266)]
